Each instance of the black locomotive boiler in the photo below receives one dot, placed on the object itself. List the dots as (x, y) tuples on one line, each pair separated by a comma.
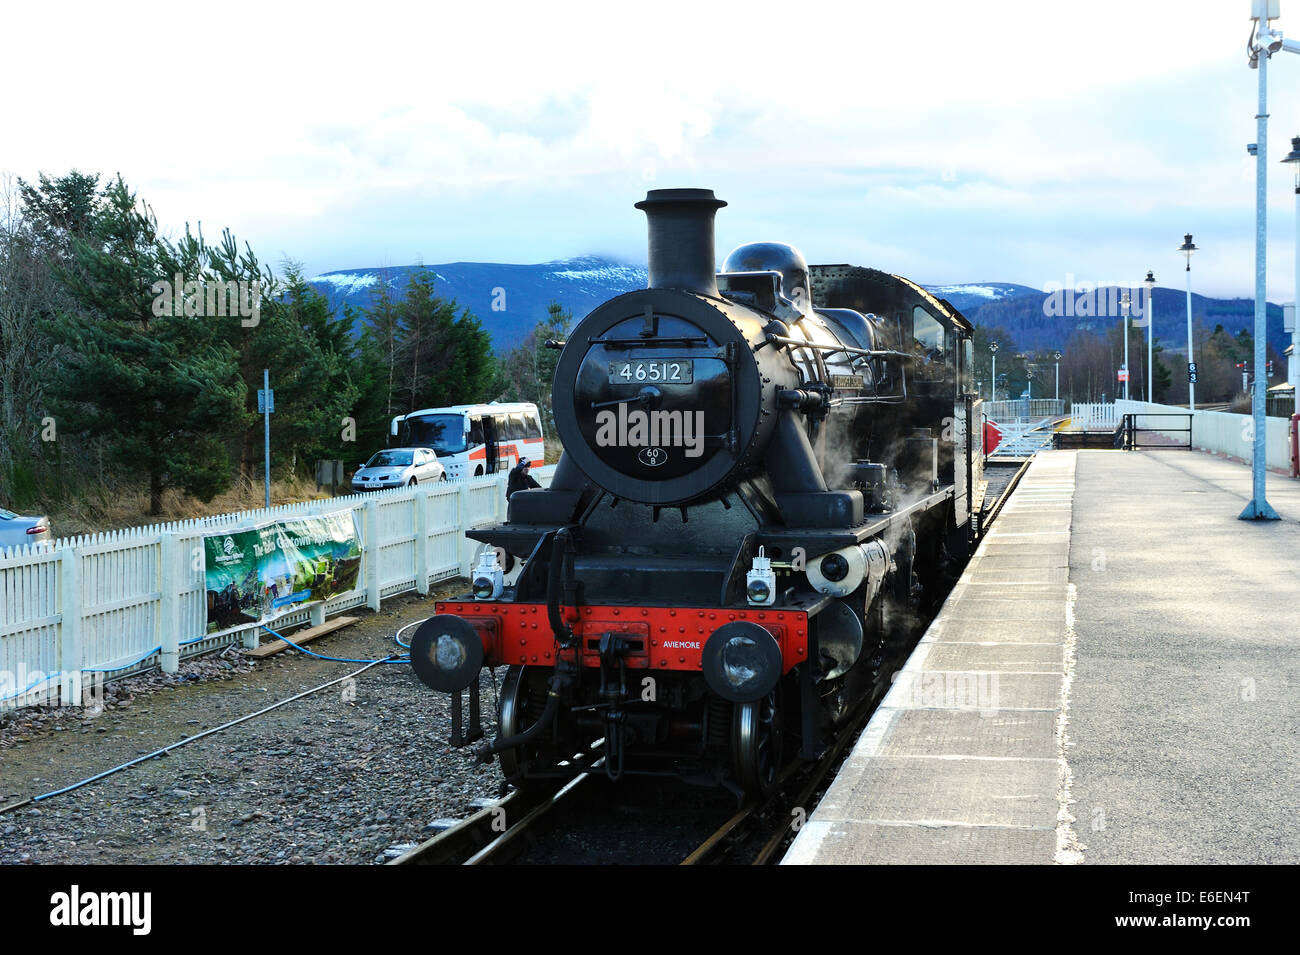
[(765, 483)]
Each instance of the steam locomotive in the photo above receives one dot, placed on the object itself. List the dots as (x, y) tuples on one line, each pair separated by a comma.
[(766, 482)]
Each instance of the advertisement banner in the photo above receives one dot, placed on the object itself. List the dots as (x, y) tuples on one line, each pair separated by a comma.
[(254, 575)]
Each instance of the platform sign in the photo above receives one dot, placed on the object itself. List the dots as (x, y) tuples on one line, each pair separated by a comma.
[(1122, 374), (266, 401), (1191, 372)]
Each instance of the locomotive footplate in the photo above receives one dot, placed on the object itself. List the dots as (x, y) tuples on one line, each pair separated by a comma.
[(635, 638)]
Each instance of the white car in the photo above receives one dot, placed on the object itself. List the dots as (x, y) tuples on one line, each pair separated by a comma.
[(398, 467), (16, 530)]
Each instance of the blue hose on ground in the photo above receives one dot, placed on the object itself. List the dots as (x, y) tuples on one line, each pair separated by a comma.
[(320, 656), (398, 635), (190, 739)]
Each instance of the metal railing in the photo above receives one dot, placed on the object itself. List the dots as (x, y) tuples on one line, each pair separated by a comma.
[(1022, 439), (1024, 408), (1133, 432)]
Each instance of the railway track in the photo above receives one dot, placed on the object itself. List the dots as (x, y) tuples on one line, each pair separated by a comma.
[(522, 823), (756, 833)]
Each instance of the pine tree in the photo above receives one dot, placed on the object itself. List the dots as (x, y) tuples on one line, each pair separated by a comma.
[(159, 388), (377, 351), (526, 372), (442, 359)]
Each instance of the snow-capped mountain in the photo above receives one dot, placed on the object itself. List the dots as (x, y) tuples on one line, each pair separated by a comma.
[(976, 295), (508, 299)]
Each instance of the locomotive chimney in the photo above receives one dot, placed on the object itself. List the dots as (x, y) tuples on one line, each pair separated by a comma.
[(681, 238)]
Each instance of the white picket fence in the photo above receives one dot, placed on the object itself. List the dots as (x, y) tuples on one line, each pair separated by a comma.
[(1093, 416), (124, 601)]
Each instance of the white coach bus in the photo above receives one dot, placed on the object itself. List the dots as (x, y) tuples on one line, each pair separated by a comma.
[(472, 440)]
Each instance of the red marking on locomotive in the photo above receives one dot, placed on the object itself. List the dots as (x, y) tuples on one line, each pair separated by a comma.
[(671, 638)]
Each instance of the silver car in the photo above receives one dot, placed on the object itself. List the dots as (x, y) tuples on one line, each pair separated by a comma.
[(398, 467), (16, 530)]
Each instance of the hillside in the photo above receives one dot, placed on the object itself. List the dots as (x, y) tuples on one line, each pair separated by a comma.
[(525, 290), (581, 284), (1026, 318)]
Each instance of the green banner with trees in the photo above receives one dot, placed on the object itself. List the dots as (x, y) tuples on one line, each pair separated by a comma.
[(254, 575)]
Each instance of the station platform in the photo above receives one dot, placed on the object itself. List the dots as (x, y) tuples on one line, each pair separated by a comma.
[(1115, 679)]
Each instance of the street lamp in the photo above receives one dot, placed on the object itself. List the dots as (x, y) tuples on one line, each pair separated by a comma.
[(1150, 283), (993, 396), (1124, 303), (1293, 365), (1264, 42), (1058, 376), (1187, 248)]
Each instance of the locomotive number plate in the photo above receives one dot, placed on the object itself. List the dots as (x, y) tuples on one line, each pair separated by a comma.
[(670, 371)]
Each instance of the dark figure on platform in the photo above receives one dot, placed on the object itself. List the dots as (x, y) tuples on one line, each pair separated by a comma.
[(519, 479)]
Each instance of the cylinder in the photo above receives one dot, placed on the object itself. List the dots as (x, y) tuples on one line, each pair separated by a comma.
[(680, 222)]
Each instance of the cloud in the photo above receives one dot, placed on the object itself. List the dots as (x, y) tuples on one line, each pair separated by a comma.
[(954, 141)]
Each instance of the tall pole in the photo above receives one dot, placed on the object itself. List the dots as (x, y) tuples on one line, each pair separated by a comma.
[(1150, 387), (1258, 508), (1191, 354), (1058, 379), (1289, 311), (266, 431), (1124, 306), (993, 390)]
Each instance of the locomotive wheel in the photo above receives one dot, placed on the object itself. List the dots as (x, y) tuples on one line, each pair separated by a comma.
[(758, 743), (514, 717)]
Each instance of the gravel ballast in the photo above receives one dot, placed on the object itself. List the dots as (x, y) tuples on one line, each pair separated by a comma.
[(347, 775)]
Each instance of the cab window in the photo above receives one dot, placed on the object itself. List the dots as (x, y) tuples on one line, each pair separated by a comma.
[(929, 335)]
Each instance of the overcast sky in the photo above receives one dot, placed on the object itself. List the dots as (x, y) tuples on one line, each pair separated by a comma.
[(947, 141)]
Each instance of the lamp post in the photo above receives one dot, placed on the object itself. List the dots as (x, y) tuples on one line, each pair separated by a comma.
[(1150, 283), (1187, 248), (1058, 376), (1289, 322), (1264, 43), (993, 348), (1124, 303)]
